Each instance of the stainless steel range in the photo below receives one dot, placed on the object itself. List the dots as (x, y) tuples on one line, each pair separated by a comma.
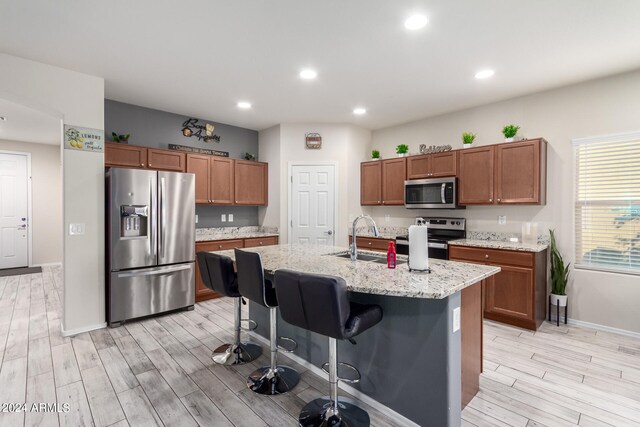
[(441, 231)]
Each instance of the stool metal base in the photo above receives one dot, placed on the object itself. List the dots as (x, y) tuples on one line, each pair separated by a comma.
[(320, 413), (236, 354), (273, 381)]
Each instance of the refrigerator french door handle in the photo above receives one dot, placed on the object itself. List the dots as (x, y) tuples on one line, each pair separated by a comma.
[(442, 196), (153, 225), (163, 218), (154, 272)]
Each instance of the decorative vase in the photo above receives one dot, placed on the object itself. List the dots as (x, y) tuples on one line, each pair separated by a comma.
[(402, 154), (509, 139), (560, 300), (375, 158), (466, 145)]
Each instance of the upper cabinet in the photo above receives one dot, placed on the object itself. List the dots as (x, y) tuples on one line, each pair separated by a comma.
[(166, 160), (521, 172), (510, 173), (123, 155), (224, 181), (250, 183), (432, 165), (394, 173), (475, 176), (370, 183)]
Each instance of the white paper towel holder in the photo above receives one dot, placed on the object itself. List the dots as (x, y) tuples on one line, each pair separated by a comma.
[(418, 270)]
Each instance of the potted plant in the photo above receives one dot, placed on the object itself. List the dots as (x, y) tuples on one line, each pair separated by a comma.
[(559, 274), (122, 139), (375, 155), (467, 139), (509, 132), (402, 150)]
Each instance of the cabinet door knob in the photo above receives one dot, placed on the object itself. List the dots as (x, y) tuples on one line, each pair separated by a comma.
[(260, 243), (491, 200), (498, 200), (149, 164), (141, 164), (486, 256), (369, 243), (220, 247)]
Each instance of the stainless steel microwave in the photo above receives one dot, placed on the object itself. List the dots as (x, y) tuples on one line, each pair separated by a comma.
[(433, 193)]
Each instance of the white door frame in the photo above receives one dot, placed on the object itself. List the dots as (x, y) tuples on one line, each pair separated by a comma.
[(29, 213), (290, 196)]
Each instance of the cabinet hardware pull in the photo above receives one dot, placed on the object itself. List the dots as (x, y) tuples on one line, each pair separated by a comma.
[(491, 200), (149, 164), (220, 247), (498, 200), (486, 256), (141, 164)]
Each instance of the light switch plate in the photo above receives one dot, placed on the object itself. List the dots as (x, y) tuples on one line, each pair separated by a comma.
[(223, 218), (196, 219), (456, 319), (230, 217), (502, 219), (76, 229)]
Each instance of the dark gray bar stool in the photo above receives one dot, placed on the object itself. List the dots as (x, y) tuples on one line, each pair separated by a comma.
[(320, 304), (272, 379), (218, 275)]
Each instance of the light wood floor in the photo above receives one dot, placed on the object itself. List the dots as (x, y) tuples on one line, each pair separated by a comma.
[(159, 371)]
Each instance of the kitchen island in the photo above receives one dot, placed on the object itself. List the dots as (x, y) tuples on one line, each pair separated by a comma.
[(424, 358)]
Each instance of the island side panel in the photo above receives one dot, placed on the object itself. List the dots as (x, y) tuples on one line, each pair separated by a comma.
[(471, 341), (410, 361)]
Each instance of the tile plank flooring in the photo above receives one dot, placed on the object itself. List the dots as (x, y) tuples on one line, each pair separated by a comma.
[(159, 372)]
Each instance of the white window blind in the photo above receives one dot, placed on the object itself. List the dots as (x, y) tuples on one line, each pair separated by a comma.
[(607, 203)]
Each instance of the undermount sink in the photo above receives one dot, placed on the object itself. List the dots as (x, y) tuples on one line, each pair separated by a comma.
[(380, 259)]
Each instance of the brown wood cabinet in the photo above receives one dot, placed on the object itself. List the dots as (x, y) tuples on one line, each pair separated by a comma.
[(521, 172), (199, 165), (475, 176), (509, 173), (370, 183), (432, 165), (377, 244), (516, 295), (221, 184), (255, 242), (250, 183), (166, 160), (394, 173), (124, 155)]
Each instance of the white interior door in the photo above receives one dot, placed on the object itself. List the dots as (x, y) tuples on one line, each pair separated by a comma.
[(313, 204), (14, 211)]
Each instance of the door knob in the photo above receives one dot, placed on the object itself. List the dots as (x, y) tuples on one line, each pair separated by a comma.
[(329, 232)]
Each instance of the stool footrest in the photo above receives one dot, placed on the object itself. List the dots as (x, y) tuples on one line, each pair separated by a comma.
[(346, 365), (252, 324), (288, 350)]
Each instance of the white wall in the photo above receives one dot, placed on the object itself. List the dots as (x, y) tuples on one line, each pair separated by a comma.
[(77, 99), (341, 143), (603, 106), (46, 197)]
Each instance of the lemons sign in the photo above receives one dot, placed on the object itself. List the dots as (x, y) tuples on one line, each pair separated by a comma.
[(84, 139)]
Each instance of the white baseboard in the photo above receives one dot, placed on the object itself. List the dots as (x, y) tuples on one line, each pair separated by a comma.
[(595, 326), (48, 264), (351, 390), (81, 330)]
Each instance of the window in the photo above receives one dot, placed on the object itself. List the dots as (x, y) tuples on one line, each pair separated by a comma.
[(607, 203)]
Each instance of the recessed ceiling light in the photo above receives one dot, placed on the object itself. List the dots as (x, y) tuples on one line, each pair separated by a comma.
[(484, 74), (244, 105), (415, 22), (359, 111), (308, 74)]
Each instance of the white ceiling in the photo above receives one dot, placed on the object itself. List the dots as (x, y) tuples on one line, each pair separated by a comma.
[(200, 57), (28, 125)]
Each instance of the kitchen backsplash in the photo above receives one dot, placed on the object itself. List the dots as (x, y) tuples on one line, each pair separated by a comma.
[(219, 233)]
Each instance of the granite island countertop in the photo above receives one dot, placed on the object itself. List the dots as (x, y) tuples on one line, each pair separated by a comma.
[(446, 277), (498, 244)]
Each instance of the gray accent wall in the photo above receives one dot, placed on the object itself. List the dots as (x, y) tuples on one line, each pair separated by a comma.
[(157, 129)]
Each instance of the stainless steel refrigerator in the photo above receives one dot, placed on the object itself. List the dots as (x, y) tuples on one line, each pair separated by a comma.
[(150, 242)]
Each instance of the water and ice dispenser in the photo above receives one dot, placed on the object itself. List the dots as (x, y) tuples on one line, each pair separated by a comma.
[(134, 221)]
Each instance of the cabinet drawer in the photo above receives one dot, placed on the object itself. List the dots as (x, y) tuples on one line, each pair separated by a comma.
[(491, 256), (219, 245), (260, 241), (371, 243)]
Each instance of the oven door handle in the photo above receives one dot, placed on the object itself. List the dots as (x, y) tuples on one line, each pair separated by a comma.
[(437, 245)]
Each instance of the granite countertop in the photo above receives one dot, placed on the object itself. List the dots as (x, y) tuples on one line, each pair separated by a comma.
[(230, 233), (446, 278), (497, 244)]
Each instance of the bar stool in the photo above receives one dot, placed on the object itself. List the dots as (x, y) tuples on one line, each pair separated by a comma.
[(218, 275), (320, 304), (272, 379)]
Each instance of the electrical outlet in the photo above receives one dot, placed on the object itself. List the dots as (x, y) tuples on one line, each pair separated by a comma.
[(76, 229), (223, 218), (230, 217), (456, 319), (502, 219), (196, 219), (387, 218)]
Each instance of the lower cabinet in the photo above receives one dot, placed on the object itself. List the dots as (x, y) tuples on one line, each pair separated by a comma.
[(516, 295), (204, 293), (372, 243)]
